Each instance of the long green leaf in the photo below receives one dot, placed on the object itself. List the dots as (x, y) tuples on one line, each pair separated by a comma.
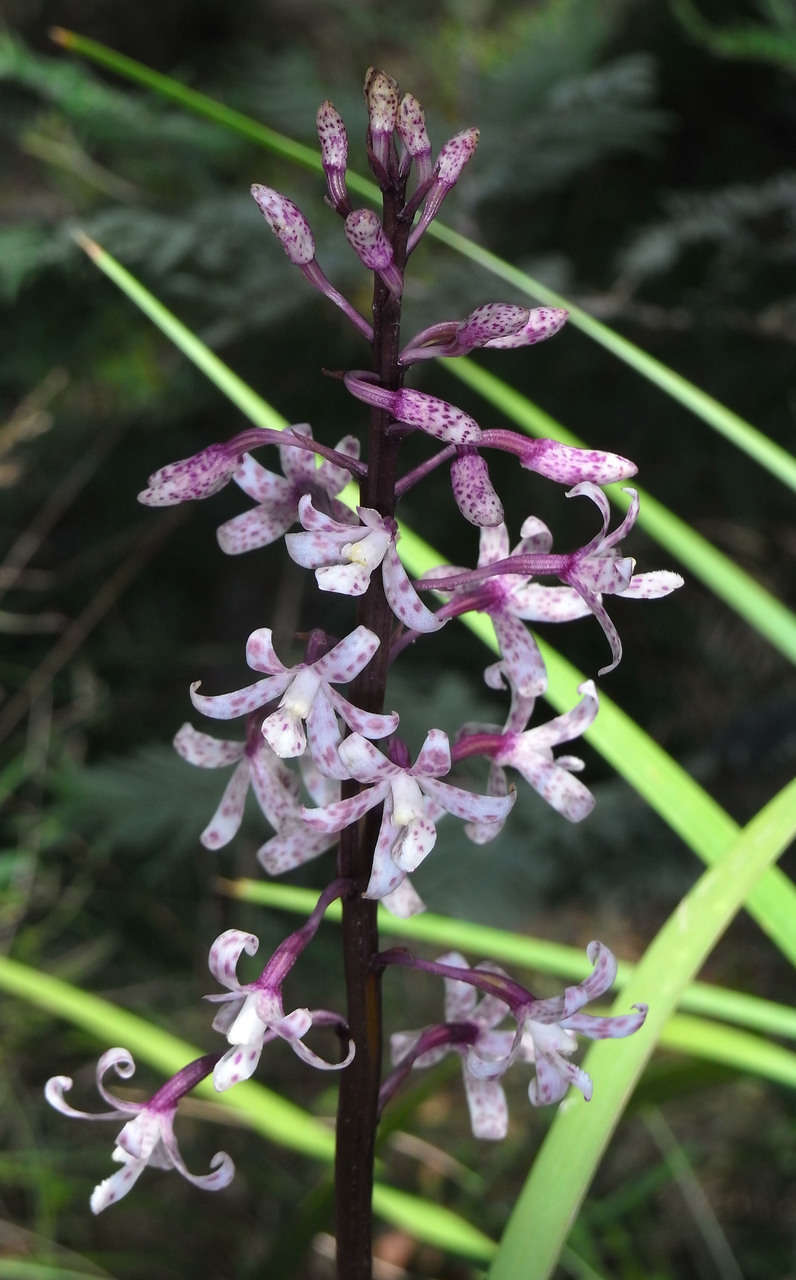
[(521, 951), (738, 589), (680, 801), (573, 1147), (734, 428), (264, 1111)]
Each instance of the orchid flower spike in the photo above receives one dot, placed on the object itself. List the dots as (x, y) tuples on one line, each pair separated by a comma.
[(147, 1137)]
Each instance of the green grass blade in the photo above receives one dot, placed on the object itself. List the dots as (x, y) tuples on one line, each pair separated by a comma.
[(520, 951), (573, 1147), (265, 1112), (734, 428), (736, 588), (680, 801)]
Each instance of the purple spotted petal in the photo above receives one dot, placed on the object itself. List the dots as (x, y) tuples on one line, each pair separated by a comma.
[(523, 661), (365, 762), (241, 702), (369, 723), (434, 757), (402, 597), (342, 813), (261, 485), (258, 527), (205, 751), (225, 953), (261, 655), (467, 805), (323, 739), (226, 820), (350, 656), (486, 1101), (403, 901)]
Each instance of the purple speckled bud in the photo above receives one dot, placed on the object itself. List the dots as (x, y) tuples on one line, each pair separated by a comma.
[(413, 134), (454, 154), (416, 409), (287, 223), (489, 321), (541, 323), (472, 489), (366, 236), (452, 158), (199, 476), (334, 152), (381, 96)]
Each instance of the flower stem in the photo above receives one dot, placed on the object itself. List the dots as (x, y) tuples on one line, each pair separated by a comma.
[(357, 1115)]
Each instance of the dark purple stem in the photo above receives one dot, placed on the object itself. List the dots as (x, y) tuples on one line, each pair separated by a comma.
[(357, 1113)]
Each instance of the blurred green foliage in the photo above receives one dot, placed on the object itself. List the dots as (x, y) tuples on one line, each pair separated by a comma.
[(621, 161)]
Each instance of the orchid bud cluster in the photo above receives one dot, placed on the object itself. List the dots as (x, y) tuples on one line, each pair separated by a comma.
[(307, 750)]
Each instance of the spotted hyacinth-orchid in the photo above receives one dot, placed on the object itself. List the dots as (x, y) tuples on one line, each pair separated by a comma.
[(546, 1030), (344, 557), (413, 797), (588, 573), (306, 697), (278, 497), (147, 1137), (530, 752), (252, 1013), (469, 1030)]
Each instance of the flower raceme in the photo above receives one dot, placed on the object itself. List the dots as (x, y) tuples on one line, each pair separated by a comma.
[(296, 713)]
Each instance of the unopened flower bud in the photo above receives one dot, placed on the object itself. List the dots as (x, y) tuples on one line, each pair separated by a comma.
[(287, 223), (381, 95), (452, 158), (473, 491), (412, 130), (416, 408), (334, 152), (541, 323), (366, 236)]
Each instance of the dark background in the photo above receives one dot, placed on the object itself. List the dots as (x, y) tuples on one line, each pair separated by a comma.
[(624, 161)]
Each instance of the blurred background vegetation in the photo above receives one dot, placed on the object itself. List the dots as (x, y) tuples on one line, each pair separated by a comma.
[(636, 155)]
